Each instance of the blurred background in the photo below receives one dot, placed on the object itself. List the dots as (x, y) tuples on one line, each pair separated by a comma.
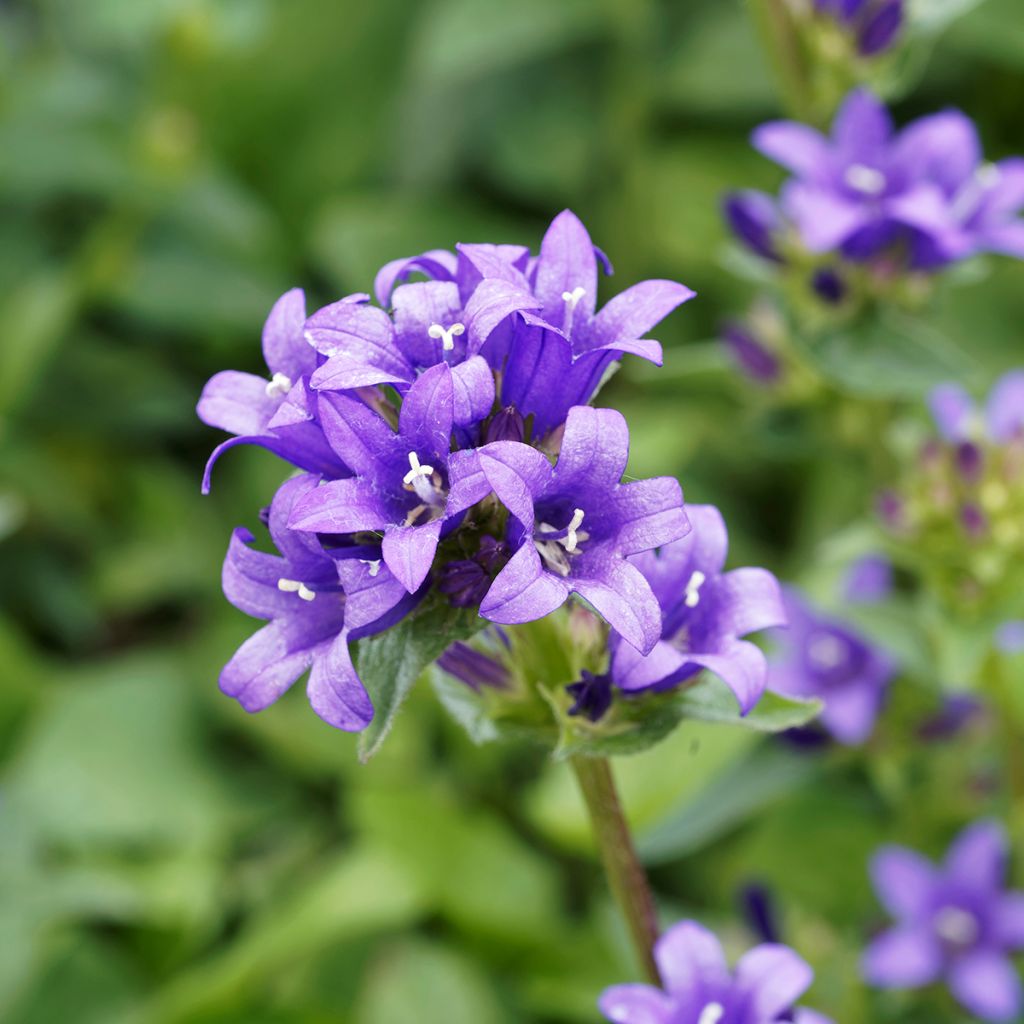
[(167, 169)]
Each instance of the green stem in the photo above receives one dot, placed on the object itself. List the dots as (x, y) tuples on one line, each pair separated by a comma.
[(626, 877), (775, 22)]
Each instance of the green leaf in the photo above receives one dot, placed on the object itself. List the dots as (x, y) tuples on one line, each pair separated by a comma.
[(711, 701), (389, 664)]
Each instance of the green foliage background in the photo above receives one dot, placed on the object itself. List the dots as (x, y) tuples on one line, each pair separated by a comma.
[(167, 168)]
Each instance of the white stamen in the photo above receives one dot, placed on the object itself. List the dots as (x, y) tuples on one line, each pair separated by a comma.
[(865, 179), (956, 926), (372, 564), (279, 386), (295, 587), (415, 470), (692, 592), (826, 651), (988, 175), (571, 537), (446, 334), (571, 299), (711, 1014)]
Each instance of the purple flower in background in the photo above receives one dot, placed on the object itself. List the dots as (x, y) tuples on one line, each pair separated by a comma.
[(959, 420), (1010, 637), (277, 413), (699, 987), (868, 188), (407, 485), (819, 657), (873, 23), (756, 360), (755, 221), (572, 525), (315, 602), (954, 921), (868, 580), (704, 613)]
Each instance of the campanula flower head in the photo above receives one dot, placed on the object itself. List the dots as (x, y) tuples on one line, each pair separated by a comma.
[(915, 199), (452, 459), (822, 657), (872, 25), (699, 987), (705, 613), (954, 922)]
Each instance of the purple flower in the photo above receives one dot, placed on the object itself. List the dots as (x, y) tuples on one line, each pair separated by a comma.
[(755, 359), (572, 525), (869, 580), (819, 657), (315, 601), (592, 695), (954, 921), (277, 413), (408, 485), (874, 23), (704, 613), (1010, 637), (958, 418), (699, 988), (478, 669), (755, 221), (867, 188)]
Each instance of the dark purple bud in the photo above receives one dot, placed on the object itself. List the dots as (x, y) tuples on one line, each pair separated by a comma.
[(869, 580), (492, 554), (265, 515), (881, 28), (829, 286), (593, 695), (753, 219), (889, 506), (473, 668), (758, 907), (754, 359), (973, 520), (467, 580), (970, 461), (507, 425), (842, 10), (957, 712)]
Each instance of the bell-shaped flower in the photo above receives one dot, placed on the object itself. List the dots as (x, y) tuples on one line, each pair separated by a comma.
[(572, 527), (955, 921), (314, 603), (705, 612), (278, 412), (407, 484), (699, 988)]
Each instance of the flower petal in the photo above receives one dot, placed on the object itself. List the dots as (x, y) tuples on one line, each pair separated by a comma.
[(236, 402), (632, 313), (417, 307), (951, 408), (517, 473), (942, 148), (340, 506), (986, 985), (409, 552), (472, 391), (824, 219), (649, 513), (662, 666), (351, 334), (636, 1004), (438, 264), (690, 958), (1005, 410), (741, 666), (748, 600), (492, 302), (1009, 920), (904, 881), (356, 433), (523, 591), (426, 416), (796, 147), (772, 977), (595, 449), (619, 593), (977, 856), (284, 347), (850, 711), (566, 262), (904, 957), (862, 127), (335, 691)]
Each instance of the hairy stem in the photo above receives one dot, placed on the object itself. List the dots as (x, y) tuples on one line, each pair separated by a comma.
[(626, 877)]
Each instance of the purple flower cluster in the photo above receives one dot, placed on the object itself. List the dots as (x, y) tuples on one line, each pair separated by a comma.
[(954, 921), (919, 199), (445, 442), (873, 25), (699, 988)]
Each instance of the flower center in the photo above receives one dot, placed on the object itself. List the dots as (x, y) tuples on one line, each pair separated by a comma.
[(691, 595), (446, 334), (826, 652), (555, 545), (571, 299), (426, 483), (278, 386), (288, 586), (956, 926), (711, 1014), (865, 179)]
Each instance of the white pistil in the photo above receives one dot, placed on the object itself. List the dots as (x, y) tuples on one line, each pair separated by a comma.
[(446, 334), (571, 299), (415, 470), (711, 1014), (691, 594), (372, 565), (295, 587), (278, 386), (956, 926), (571, 536), (865, 179)]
